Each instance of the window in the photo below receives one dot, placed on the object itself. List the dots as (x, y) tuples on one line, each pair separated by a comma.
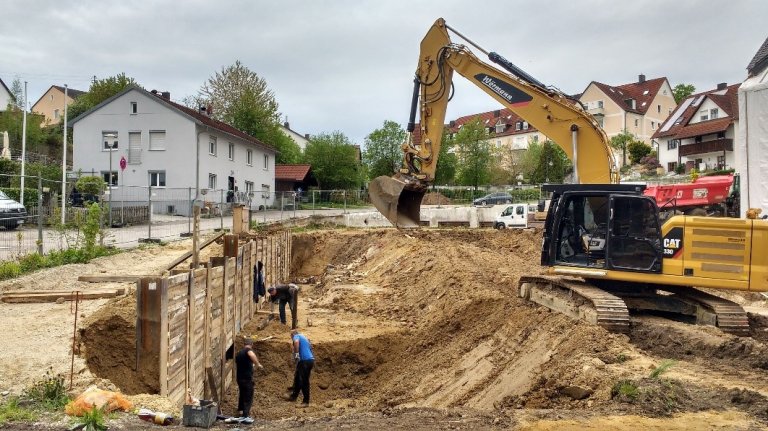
[(704, 115), (672, 144), (498, 143), (698, 139), (248, 187), (157, 178), (212, 181), (658, 109), (599, 103), (720, 162), (249, 157), (714, 113), (156, 140), (653, 125), (525, 125), (134, 148), (134, 108), (266, 162), (212, 146), (50, 97), (518, 125), (536, 137), (671, 166), (600, 121), (499, 127), (720, 135), (111, 180), (110, 140), (55, 114), (231, 151), (637, 122)]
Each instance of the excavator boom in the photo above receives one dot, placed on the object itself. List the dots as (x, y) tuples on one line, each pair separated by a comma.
[(562, 120)]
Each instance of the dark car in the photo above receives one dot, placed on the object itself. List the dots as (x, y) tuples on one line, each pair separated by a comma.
[(12, 213), (77, 199), (493, 199)]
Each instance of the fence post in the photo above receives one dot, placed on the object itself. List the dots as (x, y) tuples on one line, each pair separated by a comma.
[(313, 202), (294, 204), (149, 203), (40, 215), (282, 202), (191, 209), (345, 201), (221, 210)]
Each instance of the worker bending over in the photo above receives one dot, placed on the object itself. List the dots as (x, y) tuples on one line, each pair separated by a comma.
[(286, 294)]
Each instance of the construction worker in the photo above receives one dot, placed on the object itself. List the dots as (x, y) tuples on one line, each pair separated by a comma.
[(245, 360), (301, 349), (286, 294)]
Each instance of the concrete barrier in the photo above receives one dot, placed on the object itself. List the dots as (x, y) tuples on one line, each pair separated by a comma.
[(432, 216)]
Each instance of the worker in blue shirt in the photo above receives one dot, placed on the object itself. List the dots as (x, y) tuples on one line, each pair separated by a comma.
[(305, 360)]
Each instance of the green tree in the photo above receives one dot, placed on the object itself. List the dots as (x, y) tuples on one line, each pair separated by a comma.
[(17, 90), (383, 155), (474, 154), (638, 150), (621, 142), (334, 161), (682, 91), (100, 90), (552, 164), (445, 172), (529, 161), (240, 97)]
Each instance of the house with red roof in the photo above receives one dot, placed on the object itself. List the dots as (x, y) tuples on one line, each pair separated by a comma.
[(51, 103), (172, 148), (294, 178), (700, 132), (638, 107), (505, 129)]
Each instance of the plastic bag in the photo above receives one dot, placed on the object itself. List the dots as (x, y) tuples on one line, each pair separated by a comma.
[(93, 396)]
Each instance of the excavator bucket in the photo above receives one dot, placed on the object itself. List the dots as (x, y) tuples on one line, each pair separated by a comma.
[(398, 200)]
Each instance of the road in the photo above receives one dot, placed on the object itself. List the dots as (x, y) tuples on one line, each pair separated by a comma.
[(165, 228)]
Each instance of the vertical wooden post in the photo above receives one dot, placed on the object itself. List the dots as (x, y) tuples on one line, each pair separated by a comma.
[(207, 331)]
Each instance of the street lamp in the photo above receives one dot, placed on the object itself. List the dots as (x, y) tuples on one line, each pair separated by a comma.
[(112, 145)]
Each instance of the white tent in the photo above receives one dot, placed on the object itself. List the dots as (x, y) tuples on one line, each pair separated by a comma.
[(751, 149)]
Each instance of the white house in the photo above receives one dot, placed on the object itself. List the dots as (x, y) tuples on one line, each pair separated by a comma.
[(299, 139), (700, 131), (174, 149), (6, 97)]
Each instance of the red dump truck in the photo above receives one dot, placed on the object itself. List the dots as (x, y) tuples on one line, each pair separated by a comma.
[(715, 195)]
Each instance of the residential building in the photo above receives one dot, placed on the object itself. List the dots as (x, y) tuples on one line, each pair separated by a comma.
[(289, 178), (169, 147), (51, 103), (505, 129), (6, 97), (299, 139), (638, 107), (699, 133)]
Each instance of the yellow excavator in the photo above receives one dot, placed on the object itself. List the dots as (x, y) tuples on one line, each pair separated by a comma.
[(605, 249)]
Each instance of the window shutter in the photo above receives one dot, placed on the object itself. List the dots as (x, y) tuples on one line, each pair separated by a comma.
[(134, 148)]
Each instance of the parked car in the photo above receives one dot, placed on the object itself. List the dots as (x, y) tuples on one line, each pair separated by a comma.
[(493, 199), (513, 216), (77, 199), (12, 213)]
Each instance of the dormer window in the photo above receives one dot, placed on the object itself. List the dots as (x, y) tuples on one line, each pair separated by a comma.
[(525, 125), (518, 125), (499, 127)]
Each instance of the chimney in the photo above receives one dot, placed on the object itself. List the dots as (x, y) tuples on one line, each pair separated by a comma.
[(166, 95), (641, 78), (496, 113), (201, 110), (722, 86), (452, 124), (286, 125), (154, 92), (306, 136)]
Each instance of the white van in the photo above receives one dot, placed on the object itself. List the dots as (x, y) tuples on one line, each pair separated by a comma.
[(513, 216)]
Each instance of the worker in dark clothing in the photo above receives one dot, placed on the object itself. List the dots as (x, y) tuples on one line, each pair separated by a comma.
[(305, 360), (244, 361), (286, 294)]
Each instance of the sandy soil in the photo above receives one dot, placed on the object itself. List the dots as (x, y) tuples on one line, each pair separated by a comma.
[(423, 330)]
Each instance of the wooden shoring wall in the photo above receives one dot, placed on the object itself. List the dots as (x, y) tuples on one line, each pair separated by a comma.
[(187, 323)]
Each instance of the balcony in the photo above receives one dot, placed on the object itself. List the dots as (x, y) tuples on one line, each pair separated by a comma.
[(717, 145), (597, 111)]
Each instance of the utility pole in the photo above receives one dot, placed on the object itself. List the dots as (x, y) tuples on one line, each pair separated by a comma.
[(64, 165), (23, 143)]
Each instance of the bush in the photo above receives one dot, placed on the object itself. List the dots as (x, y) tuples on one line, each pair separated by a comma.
[(525, 195), (9, 270), (91, 185), (637, 150)]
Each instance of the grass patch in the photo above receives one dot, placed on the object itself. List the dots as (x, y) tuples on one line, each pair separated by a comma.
[(48, 393), (625, 389), (10, 411), (662, 368), (33, 262), (93, 420)]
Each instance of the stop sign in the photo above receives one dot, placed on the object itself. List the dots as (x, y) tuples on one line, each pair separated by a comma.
[(123, 163)]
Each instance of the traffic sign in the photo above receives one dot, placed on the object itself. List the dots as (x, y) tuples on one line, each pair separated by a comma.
[(123, 163)]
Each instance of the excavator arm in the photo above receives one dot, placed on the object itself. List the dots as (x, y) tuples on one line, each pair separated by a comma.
[(562, 120)]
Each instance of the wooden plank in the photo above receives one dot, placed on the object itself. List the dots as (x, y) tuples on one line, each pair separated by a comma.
[(38, 297), (101, 278), (188, 254)]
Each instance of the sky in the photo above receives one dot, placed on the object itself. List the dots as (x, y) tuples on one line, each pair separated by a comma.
[(348, 65)]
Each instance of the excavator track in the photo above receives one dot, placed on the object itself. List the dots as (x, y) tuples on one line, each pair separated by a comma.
[(578, 299), (713, 310)]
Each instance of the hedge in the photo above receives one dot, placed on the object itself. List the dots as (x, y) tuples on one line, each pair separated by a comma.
[(30, 195)]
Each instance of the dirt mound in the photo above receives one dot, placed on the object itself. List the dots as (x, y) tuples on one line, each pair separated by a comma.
[(435, 198)]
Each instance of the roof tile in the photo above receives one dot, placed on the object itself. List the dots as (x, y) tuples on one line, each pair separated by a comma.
[(292, 172)]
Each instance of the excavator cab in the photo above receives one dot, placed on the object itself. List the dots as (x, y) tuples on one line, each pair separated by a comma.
[(602, 227)]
